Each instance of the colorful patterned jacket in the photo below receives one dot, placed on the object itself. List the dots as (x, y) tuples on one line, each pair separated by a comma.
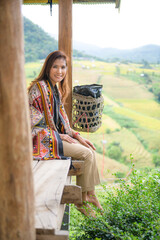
[(45, 132)]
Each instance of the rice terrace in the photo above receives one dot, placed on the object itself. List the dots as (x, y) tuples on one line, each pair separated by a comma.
[(131, 115)]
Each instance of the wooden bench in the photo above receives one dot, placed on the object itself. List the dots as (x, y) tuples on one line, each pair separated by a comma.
[(53, 189)]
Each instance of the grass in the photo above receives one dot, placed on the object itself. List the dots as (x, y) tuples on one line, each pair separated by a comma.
[(32, 70), (147, 107), (143, 120), (150, 137), (129, 143)]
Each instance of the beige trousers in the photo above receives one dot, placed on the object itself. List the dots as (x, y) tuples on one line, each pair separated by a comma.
[(90, 177)]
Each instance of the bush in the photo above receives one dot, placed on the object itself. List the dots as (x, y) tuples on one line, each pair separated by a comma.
[(156, 90), (131, 212), (114, 152), (156, 160), (99, 149)]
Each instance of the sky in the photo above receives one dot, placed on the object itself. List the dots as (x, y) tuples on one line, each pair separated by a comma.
[(136, 24)]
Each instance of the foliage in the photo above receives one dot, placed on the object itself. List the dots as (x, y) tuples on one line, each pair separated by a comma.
[(118, 71), (131, 211), (114, 151), (122, 120), (120, 175), (156, 160), (99, 149), (146, 65), (38, 44), (156, 90)]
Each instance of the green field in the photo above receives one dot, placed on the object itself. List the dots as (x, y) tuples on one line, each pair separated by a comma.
[(131, 116)]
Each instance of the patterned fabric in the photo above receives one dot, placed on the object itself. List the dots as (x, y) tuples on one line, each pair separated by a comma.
[(47, 143)]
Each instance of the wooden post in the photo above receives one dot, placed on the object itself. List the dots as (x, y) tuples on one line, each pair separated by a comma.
[(16, 187), (65, 44)]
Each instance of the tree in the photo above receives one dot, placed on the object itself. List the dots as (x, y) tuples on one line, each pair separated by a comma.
[(156, 90)]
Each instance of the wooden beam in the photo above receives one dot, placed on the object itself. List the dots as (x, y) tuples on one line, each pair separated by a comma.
[(118, 2), (59, 235), (78, 168), (16, 191), (65, 44), (74, 1), (72, 194), (43, 231)]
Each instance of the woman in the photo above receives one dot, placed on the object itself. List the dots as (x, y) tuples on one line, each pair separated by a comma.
[(51, 132)]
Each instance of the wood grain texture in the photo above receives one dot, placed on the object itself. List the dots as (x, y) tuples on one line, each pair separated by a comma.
[(46, 234), (16, 191), (72, 194), (61, 235), (65, 44), (78, 168), (49, 180)]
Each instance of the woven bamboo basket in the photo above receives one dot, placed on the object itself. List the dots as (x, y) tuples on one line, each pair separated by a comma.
[(87, 112)]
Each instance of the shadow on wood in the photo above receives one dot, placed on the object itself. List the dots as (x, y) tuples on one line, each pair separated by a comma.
[(78, 168)]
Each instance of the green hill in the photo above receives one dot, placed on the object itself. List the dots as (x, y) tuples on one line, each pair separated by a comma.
[(38, 44)]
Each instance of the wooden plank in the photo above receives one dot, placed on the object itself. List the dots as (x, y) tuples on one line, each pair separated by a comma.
[(72, 194), (78, 168), (45, 231), (34, 163), (16, 191), (60, 235), (49, 180), (62, 207)]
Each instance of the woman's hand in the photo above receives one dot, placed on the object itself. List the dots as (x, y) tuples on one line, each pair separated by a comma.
[(85, 142), (67, 138)]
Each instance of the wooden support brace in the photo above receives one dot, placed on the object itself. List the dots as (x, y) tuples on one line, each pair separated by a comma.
[(42, 234), (78, 168), (44, 231), (71, 194)]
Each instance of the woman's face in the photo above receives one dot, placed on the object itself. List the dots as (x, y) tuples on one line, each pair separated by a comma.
[(58, 71)]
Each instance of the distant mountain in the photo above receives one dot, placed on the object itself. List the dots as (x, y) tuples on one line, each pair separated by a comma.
[(38, 44), (149, 53)]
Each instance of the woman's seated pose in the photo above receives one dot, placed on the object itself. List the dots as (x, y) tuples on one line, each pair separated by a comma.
[(53, 138)]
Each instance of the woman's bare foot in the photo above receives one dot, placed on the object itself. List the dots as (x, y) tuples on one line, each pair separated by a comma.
[(86, 210), (91, 198)]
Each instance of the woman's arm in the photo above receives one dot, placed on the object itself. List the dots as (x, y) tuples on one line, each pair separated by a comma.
[(67, 138)]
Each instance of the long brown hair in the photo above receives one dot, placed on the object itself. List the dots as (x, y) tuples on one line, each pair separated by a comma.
[(44, 73)]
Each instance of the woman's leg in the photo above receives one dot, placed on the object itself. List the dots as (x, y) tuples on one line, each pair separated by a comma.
[(91, 198), (89, 178), (91, 195)]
